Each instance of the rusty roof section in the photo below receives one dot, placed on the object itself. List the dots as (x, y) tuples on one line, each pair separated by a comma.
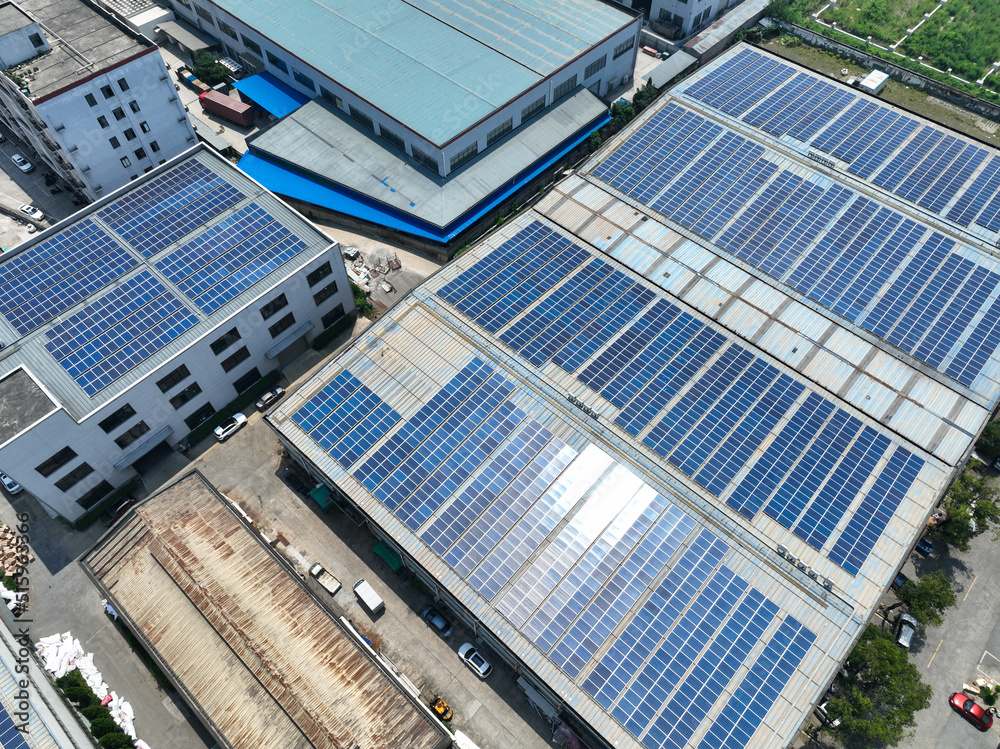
[(260, 660)]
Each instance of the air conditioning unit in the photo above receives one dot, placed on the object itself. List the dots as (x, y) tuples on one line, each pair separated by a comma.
[(812, 573), (828, 583), (792, 558), (782, 549), (802, 565)]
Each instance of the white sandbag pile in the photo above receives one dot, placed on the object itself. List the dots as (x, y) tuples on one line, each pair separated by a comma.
[(15, 601), (62, 653)]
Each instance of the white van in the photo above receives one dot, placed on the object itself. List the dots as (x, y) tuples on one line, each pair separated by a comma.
[(368, 597)]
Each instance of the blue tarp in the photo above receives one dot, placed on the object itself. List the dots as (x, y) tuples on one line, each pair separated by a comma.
[(273, 96), (287, 181)]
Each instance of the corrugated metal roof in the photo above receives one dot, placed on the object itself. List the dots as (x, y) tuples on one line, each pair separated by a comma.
[(271, 668), (436, 67)]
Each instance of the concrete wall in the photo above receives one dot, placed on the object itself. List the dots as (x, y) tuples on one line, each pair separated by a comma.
[(16, 47), (98, 448)]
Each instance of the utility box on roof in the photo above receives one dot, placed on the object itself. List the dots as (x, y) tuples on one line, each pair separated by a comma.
[(874, 82)]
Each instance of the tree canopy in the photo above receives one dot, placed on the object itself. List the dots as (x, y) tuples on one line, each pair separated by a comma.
[(927, 598), (881, 693), (622, 113), (645, 96), (207, 68), (973, 505), (989, 440)]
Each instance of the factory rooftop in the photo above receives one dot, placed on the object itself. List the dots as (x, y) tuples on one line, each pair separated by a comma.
[(272, 668), (669, 435), (436, 67)]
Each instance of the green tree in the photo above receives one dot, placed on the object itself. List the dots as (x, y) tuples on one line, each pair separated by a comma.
[(881, 693), (116, 741), (207, 68), (622, 113), (102, 726), (927, 598), (989, 440), (973, 506), (594, 141), (645, 96)]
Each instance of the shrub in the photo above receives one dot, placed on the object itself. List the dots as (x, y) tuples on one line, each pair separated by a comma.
[(344, 323), (116, 741), (71, 679), (622, 113), (207, 68), (95, 712), (989, 440), (82, 696), (103, 726)]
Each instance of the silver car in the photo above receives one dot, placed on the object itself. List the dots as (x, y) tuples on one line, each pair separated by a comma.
[(471, 657), (9, 484)]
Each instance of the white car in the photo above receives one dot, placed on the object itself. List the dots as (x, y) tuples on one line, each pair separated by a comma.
[(22, 163), (9, 484), (30, 210), (471, 657), (230, 426)]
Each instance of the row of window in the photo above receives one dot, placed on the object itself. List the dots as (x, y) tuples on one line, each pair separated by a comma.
[(108, 92), (119, 114)]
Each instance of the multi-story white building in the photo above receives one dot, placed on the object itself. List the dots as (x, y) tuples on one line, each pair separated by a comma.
[(684, 17), (134, 321), (90, 96)]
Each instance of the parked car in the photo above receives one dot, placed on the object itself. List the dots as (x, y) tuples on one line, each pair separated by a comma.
[(433, 617), (471, 658), (270, 397), (9, 484), (22, 163), (114, 513), (907, 628), (926, 546), (230, 426), (900, 581), (30, 210), (972, 712)]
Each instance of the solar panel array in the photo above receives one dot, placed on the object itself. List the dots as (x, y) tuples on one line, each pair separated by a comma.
[(10, 736), (920, 163), (230, 257), (170, 206), (696, 397), (38, 284), (886, 272), (486, 486), (118, 331)]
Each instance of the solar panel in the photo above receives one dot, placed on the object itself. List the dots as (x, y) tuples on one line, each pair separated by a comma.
[(10, 736), (123, 212), (111, 336), (972, 201), (170, 225)]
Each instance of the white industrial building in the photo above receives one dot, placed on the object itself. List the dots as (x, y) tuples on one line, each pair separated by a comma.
[(90, 96), (134, 321), (681, 18)]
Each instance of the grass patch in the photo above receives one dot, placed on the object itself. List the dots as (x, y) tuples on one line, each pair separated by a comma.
[(323, 338), (962, 36), (240, 402), (885, 21), (87, 519)]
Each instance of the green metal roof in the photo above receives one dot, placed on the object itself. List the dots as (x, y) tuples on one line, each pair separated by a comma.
[(437, 66)]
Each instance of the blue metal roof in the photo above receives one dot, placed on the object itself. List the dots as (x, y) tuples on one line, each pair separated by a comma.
[(436, 68), (271, 94)]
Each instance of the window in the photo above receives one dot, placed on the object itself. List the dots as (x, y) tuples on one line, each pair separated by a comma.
[(622, 48), (463, 156), (325, 293), (126, 162), (498, 132), (107, 91), (225, 341), (225, 28), (95, 495), (132, 435), (532, 109), (147, 169), (246, 381), (331, 97), (57, 461), (119, 113), (278, 63), (73, 477), (129, 134), (102, 121), (205, 15), (36, 40), (140, 153), (231, 361), (123, 84), (199, 416), (178, 375), (185, 395), (303, 79), (91, 100), (319, 274), (282, 325), (115, 143), (144, 126), (133, 105), (332, 316), (564, 88), (273, 306), (154, 147), (251, 45), (116, 419), (423, 158), (362, 118), (391, 138), (595, 67)]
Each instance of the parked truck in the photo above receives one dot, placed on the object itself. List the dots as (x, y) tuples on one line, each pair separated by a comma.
[(368, 597), (227, 107), (325, 579)]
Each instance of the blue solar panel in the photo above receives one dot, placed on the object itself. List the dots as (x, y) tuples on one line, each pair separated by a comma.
[(750, 95), (788, 249), (689, 149), (872, 158), (734, 199), (133, 208), (748, 78), (10, 736), (834, 135), (624, 155), (818, 260), (778, 101), (990, 216), (745, 711), (699, 172), (954, 320), (722, 73), (929, 303), (981, 344), (117, 332), (969, 205), (870, 126), (617, 356), (903, 163), (333, 394), (947, 184), (819, 117)]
